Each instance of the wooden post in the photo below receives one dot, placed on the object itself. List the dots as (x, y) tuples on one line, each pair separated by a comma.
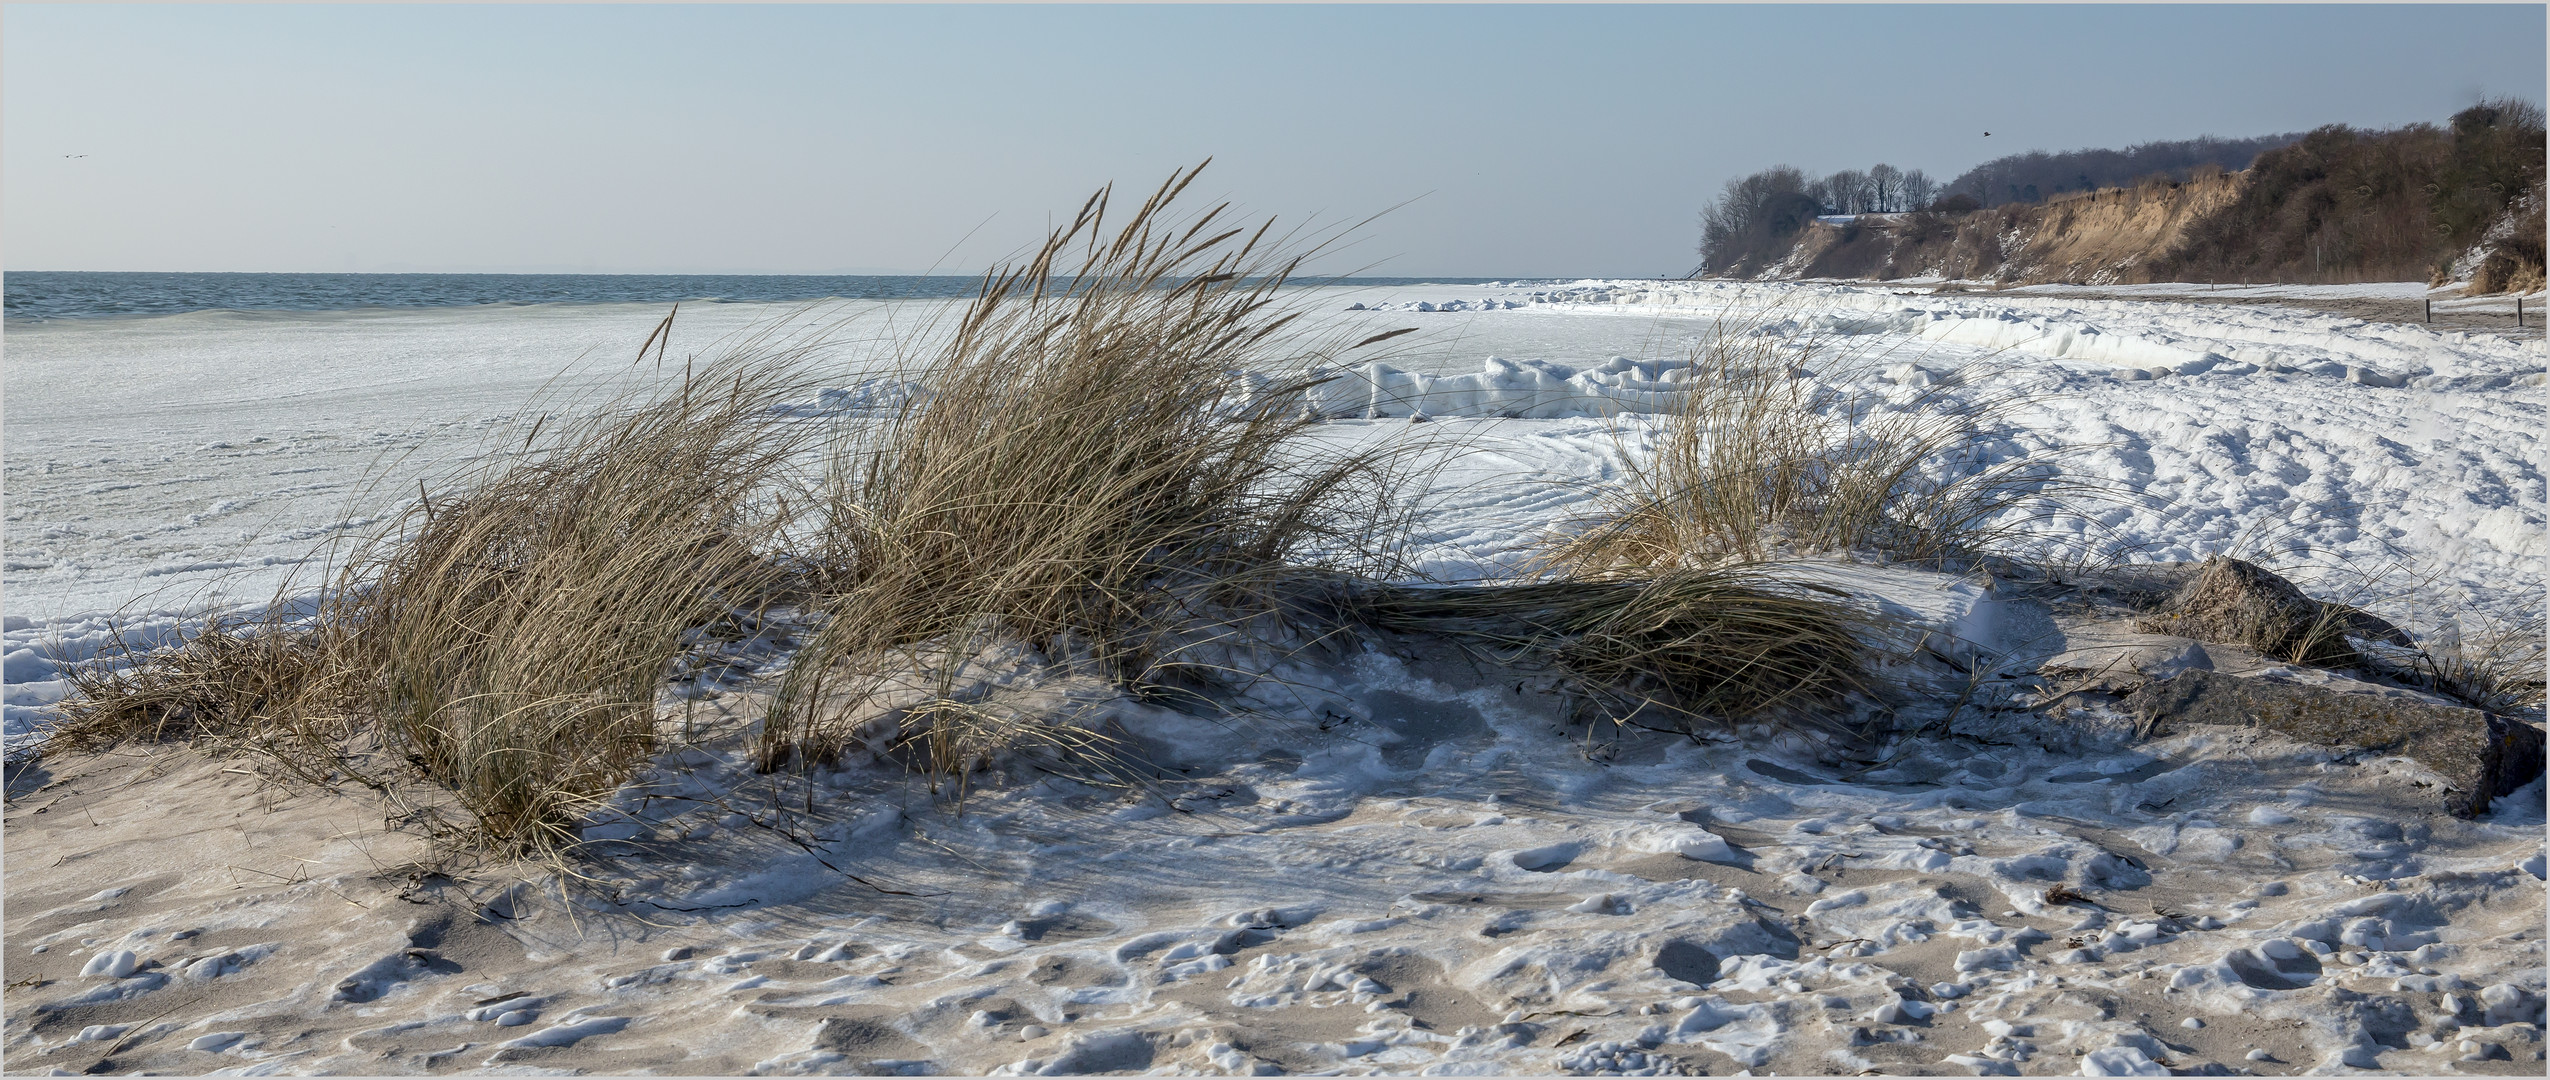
[(2430, 309)]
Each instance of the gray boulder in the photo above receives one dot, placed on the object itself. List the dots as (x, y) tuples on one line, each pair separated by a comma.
[(2480, 755), (2239, 603)]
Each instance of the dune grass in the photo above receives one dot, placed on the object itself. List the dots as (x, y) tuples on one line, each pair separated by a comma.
[(1079, 483), (521, 631), (1078, 479), (235, 678), (2495, 667), (1079, 470), (509, 638), (2500, 669), (1765, 459), (1082, 472), (1690, 648)]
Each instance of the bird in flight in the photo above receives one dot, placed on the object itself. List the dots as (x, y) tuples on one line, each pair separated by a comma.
[(75, 155), (1987, 134)]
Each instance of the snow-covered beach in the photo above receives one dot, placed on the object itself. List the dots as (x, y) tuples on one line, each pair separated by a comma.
[(266, 428), (1412, 866)]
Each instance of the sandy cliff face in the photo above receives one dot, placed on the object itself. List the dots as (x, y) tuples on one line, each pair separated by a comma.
[(2101, 238)]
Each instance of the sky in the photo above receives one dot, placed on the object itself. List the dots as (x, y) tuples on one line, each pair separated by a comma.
[(1503, 141)]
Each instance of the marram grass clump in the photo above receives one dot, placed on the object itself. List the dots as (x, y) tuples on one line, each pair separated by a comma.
[(1682, 649), (262, 679), (1080, 481), (509, 637), (1777, 449), (520, 633), (1082, 471)]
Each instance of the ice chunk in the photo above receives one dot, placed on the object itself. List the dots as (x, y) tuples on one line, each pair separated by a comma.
[(217, 1041), (568, 1034), (112, 964), (2121, 1061)]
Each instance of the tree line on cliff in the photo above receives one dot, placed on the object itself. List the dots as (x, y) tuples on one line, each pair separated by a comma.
[(2338, 203)]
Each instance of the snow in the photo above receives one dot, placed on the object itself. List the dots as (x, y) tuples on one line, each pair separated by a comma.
[(1443, 855), (159, 466), (2368, 290), (2288, 434)]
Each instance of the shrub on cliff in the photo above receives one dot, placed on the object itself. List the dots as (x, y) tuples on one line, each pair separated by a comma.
[(1751, 224), (2350, 205)]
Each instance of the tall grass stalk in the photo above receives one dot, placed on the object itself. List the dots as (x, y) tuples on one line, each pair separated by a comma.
[(522, 630), (1082, 472), (1691, 647), (263, 681), (509, 636), (2499, 669), (1765, 458)]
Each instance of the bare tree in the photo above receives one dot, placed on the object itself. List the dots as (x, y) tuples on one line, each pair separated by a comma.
[(1884, 188), (1845, 192), (1918, 189)]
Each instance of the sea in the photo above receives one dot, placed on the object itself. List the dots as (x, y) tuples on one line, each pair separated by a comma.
[(46, 295)]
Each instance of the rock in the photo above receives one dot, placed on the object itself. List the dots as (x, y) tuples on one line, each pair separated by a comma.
[(2104, 658), (2133, 587), (2240, 603), (2481, 755)]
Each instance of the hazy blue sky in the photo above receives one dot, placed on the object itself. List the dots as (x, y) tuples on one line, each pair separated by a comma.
[(805, 139)]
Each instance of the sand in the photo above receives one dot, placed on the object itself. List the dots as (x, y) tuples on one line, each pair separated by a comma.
[(1430, 872)]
